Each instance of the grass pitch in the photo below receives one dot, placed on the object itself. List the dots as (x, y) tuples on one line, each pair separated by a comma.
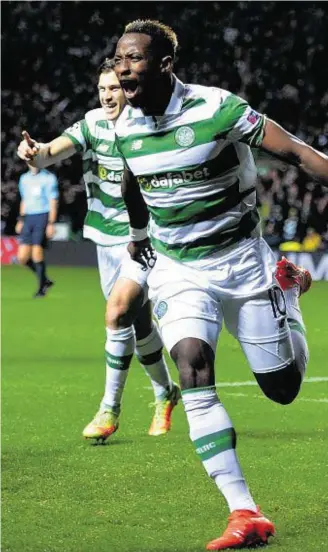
[(140, 493)]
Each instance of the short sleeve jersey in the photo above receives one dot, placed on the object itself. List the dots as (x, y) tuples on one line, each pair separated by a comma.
[(106, 222), (195, 169)]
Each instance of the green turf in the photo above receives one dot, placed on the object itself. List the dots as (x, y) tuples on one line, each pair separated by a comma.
[(140, 493)]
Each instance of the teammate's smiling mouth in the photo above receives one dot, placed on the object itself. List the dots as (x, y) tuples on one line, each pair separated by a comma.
[(110, 106)]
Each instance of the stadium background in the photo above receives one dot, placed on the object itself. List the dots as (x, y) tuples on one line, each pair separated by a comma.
[(140, 494), (274, 54)]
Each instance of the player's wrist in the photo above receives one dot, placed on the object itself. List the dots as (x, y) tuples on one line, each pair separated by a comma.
[(138, 234)]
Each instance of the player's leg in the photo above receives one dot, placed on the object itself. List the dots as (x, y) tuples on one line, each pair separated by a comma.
[(38, 242), (125, 299), (271, 332), (190, 321), (24, 254), (119, 348), (149, 349)]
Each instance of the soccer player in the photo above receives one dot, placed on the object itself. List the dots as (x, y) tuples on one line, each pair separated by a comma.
[(37, 214), (106, 224), (188, 153)]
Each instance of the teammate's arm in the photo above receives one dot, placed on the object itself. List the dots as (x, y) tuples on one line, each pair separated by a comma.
[(42, 155), (291, 149)]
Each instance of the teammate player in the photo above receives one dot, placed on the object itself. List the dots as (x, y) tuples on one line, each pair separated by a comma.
[(37, 214), (187, 148), (106, 224)]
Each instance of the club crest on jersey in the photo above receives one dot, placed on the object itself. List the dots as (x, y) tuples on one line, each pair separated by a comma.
[(185, 136), (136, 145), (161, 309), (102, 147)]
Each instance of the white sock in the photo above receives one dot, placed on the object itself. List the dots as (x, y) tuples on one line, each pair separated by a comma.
[(214, 439), (157, 371), (297, 329), (119, 349)]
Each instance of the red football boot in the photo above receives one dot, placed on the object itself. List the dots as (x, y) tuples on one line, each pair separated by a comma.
[(290, 275), (245, 528)]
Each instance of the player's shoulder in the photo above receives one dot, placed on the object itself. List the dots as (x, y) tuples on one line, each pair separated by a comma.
[(205, 94), (94, 116), (127, 118)]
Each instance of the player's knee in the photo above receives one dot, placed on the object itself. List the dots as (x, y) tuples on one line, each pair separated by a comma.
[(281, 386), (118, 315), (195, 361), (23, 256)]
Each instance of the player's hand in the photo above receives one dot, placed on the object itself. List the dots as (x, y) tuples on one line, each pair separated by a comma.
[(28, 148), (50, 231), (19, 227), (143, 253)]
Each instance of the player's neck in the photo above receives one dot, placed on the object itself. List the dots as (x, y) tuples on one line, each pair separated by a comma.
[(160, 99)]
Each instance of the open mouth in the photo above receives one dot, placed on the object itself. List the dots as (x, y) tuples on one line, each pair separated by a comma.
[(129, 87)]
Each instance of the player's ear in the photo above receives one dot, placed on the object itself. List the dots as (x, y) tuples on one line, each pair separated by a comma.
[(166, 64)]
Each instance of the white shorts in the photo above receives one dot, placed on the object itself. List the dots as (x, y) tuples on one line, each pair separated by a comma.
[(115, 262), (238, 289)]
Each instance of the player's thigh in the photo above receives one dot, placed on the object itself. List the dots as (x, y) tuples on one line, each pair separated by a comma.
[(115, 263), (109, 263), (182, 308), (260, 325)]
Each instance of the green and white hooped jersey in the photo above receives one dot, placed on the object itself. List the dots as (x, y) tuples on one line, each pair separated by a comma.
[(195, 169), (107, 221)]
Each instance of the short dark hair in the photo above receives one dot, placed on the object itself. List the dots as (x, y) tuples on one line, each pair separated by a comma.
[(106, 66), (163, 37)]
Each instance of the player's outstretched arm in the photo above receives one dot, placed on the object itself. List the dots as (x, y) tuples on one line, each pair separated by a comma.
[(42, 155), (287, 147)]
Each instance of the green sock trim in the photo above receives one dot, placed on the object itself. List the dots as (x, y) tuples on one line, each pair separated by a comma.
[(197, 389), (296, 326), (118, 363), (215, 443)]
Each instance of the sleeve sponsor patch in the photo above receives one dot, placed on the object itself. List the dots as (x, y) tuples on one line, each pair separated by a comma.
[(253, 117)]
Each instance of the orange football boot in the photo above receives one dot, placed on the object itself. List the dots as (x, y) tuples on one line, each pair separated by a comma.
[(245, 528), (290, 275), (161, 422)]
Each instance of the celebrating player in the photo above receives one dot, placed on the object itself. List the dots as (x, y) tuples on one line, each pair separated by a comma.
[(188, 153), (106, 224), (37, 215)]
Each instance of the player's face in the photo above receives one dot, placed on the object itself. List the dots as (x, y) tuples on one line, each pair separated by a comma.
[(137, 68), (111, 95)]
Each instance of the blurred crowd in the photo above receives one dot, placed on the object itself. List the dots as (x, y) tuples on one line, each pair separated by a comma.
[(274, 54)]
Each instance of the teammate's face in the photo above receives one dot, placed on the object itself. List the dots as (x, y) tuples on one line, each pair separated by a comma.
[(111, 95), (138, 70)]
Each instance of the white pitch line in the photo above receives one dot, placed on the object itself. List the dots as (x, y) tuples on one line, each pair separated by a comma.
[(324, 400), (254, 383)]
